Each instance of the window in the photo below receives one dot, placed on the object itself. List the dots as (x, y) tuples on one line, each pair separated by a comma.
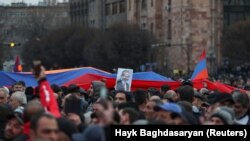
[(91, 8), (234, 17), (152, 3), (143, 25), (92, 23), (78, 5), (122, 7), (169, 5), (226, 2), (108, 9), (143, 5), (75, 6), (114, 8), (237, 2), (152, 27), (129, 5), (65, 14), (83, 5), (169, 29)]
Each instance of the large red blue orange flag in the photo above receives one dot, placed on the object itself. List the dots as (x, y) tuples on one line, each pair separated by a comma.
[(17, 66), (200, 71)]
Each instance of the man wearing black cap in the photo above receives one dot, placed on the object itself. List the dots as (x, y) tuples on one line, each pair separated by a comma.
[(75, 90), (74, 112), (14, 127), (199, 99)]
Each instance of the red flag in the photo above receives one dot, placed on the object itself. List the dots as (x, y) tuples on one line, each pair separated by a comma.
[(48, 99), (17, 66), (223, 88), (203, 55)]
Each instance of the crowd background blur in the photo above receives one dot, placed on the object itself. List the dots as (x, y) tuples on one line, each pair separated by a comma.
[(58, 113)]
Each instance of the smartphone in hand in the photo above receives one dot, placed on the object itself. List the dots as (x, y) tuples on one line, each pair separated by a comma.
[(103, 93)]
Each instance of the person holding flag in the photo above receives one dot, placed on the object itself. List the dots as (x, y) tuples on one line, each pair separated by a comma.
[(47, 97)]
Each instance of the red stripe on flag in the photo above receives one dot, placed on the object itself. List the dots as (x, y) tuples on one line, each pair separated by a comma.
[(203, 55)]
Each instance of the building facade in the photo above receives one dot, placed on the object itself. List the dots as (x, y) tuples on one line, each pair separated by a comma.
[(105, 13), (183, 27), (18, 17), (193, 25), (147, 14), (49, 2), (236, 10), (20, 22)]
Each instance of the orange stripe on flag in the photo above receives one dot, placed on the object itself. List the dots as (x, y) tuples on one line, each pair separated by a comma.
[(19, 68), (202, 75)]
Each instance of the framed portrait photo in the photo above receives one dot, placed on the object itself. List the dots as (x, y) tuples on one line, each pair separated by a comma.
[(124, 79)]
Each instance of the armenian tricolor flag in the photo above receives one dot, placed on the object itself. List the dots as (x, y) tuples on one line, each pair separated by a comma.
[(200, 71)]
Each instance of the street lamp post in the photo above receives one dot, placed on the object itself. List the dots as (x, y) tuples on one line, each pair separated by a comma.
[(11, 44)]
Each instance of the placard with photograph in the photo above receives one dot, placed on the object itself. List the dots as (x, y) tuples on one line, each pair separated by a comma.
[(124, 79)]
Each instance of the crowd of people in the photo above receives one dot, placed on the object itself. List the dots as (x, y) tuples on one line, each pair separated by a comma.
[(59, 113), (237, 76)]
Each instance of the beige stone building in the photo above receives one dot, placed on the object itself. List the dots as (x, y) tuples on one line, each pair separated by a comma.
[(193, 25)]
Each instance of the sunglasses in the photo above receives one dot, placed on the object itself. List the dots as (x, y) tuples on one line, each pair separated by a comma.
[(1, 97)]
